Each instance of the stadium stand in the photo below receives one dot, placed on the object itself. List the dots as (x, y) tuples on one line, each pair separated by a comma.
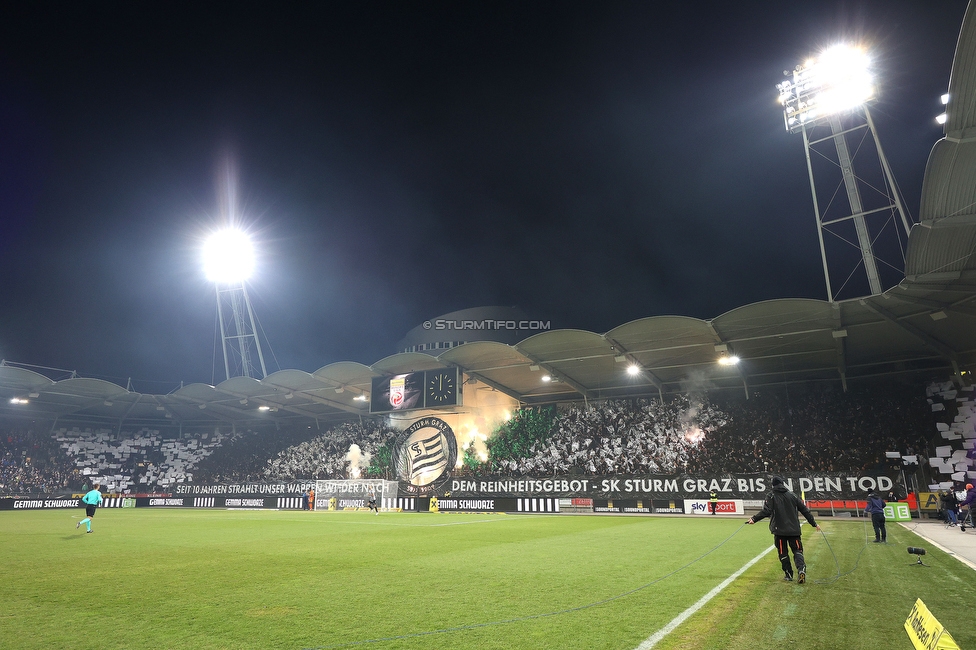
[(33, 462), (953, 457), (135, 461), (620, 437), (325, 456), (818, 429), (244, 456), (814, 427)]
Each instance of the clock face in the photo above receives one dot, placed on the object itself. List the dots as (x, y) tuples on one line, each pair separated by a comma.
[(441, 388)]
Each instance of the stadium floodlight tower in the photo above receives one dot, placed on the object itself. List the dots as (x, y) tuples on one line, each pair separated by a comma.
[(228, 260), (831, 93)]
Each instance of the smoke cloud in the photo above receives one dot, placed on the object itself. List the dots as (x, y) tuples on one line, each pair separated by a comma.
[(358, 461)]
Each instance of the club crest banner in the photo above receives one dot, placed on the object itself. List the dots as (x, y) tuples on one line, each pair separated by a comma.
[(426, 454)]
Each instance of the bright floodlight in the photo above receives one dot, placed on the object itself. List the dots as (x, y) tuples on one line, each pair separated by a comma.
[(228, 257), (730, 360), (837, 80), (633, 369)]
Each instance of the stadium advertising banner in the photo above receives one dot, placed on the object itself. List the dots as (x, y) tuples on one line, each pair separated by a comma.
[(722, 507), (40, 503), (243, 502), (48, 503), (666, 487), (280, 496), (533, 504), (477, 505), (640, 506)]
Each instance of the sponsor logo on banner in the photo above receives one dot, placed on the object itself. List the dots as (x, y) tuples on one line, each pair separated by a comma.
[(482, 505), (244, 503), (929, 501), (426, 452), (165, 502), (925, 631), (397, 391), (704, 507), (39, 504), (897, 512), (672, 507)]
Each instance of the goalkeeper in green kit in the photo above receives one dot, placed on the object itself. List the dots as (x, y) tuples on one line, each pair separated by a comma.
[(91, 500)]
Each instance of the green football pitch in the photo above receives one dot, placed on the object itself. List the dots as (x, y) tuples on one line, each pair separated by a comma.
[(268, 579)]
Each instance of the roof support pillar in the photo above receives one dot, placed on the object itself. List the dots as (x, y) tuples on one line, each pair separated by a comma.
[(840, 337)]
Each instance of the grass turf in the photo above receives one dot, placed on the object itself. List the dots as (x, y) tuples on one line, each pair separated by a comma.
[(260, 579)]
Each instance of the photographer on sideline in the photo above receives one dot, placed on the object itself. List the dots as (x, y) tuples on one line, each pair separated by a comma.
[(782, 506), (950, 505)]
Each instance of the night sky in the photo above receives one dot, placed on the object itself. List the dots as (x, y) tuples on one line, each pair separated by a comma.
[(591, 163)]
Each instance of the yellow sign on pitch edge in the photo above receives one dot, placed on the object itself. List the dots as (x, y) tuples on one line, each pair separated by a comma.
[(925, 631)]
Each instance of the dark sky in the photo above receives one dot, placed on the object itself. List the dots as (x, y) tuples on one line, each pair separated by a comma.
[(592, 163)]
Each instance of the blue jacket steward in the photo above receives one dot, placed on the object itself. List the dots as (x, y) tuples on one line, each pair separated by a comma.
[(781, 507), (93, 498), (876, 504)]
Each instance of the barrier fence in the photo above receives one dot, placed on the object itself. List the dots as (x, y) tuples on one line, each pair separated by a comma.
[(686, 495)]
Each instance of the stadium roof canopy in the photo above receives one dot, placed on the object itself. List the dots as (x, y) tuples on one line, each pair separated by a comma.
[(925, 323)]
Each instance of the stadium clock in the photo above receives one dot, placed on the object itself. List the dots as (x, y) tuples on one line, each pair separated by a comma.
[(441, 388)]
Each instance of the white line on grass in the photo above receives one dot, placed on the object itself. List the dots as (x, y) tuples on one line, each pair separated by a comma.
[(655, 638), (942, 548)]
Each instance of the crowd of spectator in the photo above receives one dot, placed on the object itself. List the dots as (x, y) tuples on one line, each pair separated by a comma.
[(820, 429), (953, 460), (244, 455), (136, 461), (787, 429), (32, 461), (817, 429), (331, 455), (620, 437)]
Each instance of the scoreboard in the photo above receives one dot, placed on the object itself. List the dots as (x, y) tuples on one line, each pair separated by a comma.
[(430, 389)]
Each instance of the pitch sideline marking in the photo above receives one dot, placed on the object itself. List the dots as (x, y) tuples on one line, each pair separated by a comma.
[(942, 548), (655, 638)]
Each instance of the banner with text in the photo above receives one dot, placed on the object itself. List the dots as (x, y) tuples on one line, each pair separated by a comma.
[(267, 489), (729, 486)]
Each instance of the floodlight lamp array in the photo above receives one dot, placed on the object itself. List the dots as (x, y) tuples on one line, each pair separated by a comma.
[(228, 256), (838, 80)]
